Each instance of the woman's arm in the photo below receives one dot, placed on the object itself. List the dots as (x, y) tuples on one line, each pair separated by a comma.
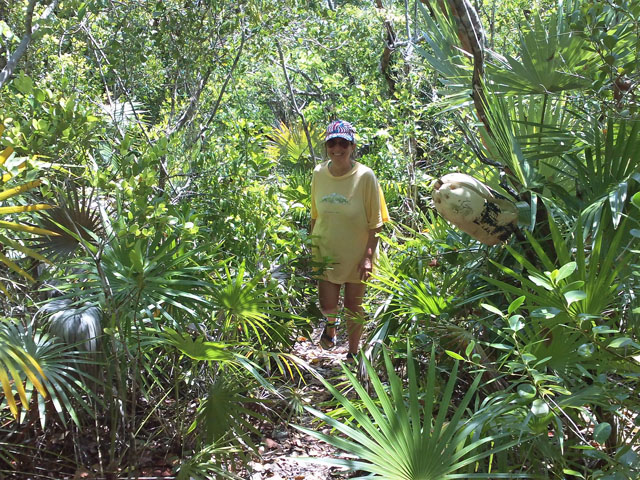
[(366, 264)]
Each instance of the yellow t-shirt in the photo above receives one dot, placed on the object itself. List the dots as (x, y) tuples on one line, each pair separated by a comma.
[(344, 208)]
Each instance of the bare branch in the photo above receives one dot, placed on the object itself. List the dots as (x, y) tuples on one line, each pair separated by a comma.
[(29, 30), (190, 111), (212, 115), (293, 100)]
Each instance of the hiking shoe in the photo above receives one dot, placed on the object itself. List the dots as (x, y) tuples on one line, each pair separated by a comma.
[(327, 342)]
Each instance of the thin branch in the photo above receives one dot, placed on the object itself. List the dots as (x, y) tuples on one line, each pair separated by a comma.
[(29, 30), (390, 45), (212, 115), (112, 107), (306, 76), (293, 100), (193, 102)]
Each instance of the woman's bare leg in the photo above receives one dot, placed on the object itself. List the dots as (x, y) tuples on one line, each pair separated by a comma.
[(329, 294), (353, 296)]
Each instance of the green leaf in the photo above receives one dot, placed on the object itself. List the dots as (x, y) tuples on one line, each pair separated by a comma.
[(604, 329), (526, 390), (541, 282), (602, 432), (574, 296), (24, 84), (568, 471), (516, 322), (636, 200), (620, 342), (492, 309), (545, 312), (470, 347), (513, 306), (454, 355), (610, 41), (566, 270), (539, 408)]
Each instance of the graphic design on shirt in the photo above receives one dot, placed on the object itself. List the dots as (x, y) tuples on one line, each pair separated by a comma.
[(334, 198)]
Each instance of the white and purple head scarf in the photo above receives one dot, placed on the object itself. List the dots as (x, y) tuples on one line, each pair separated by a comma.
[(342, 129)]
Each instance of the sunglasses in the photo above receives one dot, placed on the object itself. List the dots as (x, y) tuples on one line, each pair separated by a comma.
[(344, 143)]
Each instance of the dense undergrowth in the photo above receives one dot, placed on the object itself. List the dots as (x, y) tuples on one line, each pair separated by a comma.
[(154, 256)]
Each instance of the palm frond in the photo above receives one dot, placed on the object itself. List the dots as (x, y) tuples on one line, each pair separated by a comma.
[(607, 171), (61, 379), (208, 463), (289, 143), (551, 58), (396, 438), (16, 365), (246, 310), (445, 56), (74, 219)]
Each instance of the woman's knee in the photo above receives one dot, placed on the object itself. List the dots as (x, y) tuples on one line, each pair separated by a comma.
[(353, 306), (328, 306), (329, 295), (353, 296)]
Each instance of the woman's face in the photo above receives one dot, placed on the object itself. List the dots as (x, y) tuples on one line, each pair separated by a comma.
[(340, 149)]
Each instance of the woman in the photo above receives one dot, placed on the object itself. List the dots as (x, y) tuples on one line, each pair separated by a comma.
[(347, 212)]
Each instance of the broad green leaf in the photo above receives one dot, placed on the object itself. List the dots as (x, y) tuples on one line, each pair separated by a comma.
[(516, 322), (526, 390), (492, 309), (604, 329), (539, 408), (454, 355), (577, 285), (574, 296), (541, 282), (620, 342), (545, 312), (566, 270), (513, 306), (602, 432)]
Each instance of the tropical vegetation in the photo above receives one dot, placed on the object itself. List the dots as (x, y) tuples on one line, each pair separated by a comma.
[(155, 267)]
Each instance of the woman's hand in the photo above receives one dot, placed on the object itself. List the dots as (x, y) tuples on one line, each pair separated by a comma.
[(365, 267)]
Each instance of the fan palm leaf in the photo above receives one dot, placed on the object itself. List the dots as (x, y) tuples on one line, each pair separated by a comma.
[(551, 58), (444, 55), (74, 219), (207, 464), (11, 193), (59, 378), (16, 364), (153, 279), (397, 438), (289, 143), (606, 172), (246, 310)]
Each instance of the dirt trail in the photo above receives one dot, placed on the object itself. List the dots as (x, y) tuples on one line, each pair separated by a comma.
[(281, 447)]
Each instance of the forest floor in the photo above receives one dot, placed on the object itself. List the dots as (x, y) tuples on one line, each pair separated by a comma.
[(282, 447)]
